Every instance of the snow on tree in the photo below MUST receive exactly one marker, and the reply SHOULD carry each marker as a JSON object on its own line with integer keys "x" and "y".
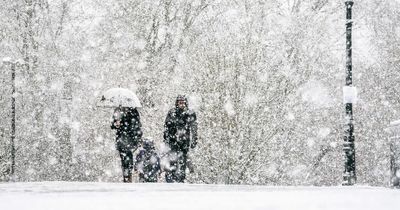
{"x": 265, "y": 79}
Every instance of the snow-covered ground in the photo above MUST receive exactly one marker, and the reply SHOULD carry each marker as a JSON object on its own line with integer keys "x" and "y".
{"x": 99, "y": 196}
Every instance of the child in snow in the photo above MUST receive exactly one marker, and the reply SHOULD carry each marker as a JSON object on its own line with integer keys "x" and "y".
{"x": 148, "y": 162}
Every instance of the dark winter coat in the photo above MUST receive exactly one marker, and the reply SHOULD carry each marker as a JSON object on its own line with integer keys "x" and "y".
{"x": 180, "y": 129}
{"x": 148, "y": 165}
{"x": 129, "y": 132}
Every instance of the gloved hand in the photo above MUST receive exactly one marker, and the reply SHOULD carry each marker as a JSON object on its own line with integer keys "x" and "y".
{"x": 193, "y": 144}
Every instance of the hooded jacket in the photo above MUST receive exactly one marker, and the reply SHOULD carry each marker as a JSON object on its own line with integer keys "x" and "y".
{"x": 129, "y": 132}
{"x": 180, "y": 127}
{"x": 148, "y": 162}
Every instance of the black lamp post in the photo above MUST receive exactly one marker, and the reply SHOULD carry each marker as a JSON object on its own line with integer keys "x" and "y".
{"x": 13, "y": 65}
{"x": 349, "y": 175}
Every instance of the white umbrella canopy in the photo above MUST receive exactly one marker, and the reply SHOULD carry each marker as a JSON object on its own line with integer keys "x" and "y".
{"x": 119, "y": 97}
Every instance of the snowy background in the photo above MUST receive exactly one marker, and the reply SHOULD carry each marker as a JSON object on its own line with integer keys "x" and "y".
{"x": 265, "y": 78}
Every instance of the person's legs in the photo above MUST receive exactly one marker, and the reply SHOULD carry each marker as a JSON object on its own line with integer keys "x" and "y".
{"x": 170, "y": 176}
{"x": 127, "y": 165}
{"x": 152, "y": 178}
{"x": 142, "y": 178}
{"x": 189, "y": 164}
{"x": 181, "y": 172}
{"x": 130, "y": 164}
{"x": 170, "y": 173}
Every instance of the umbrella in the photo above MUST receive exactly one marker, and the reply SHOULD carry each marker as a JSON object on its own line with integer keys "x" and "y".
{"x": 116, "y": 97}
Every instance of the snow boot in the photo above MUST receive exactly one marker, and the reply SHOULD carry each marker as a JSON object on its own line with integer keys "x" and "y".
{"x": 128, "y": 179}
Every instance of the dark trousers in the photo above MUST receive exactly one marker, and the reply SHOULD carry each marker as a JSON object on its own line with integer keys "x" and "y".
{"x": 143, "y": 178}
{"x": 177, "y": 169}
{"x": 127, "y": 164}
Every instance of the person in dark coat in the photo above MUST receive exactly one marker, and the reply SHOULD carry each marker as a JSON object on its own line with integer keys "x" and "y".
{"x": 148, "y": 162}
{"x": 126, "y": 122}
{"x": 180, "y": 135}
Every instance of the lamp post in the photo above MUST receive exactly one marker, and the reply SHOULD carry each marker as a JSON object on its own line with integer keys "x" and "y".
{"x": 12, "y": 65}
{"x": 349, "y": 175}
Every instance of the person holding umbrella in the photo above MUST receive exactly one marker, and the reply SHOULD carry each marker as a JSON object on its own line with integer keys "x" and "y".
{"x": 126, "y": 122}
